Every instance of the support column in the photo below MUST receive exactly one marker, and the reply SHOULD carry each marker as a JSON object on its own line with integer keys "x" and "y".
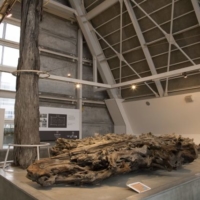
{"x": 80, "y": 76}
{"x": 95, "y": 79}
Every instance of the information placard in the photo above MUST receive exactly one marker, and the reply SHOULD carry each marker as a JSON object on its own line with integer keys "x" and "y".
{"x": 59, "y": 122}
{"x": 139, "y": 187}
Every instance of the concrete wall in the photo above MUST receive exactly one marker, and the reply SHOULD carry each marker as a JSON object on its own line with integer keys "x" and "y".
{"x": 61, "y": 36}
{"x": 96, "y": 120}
{"x": 166, "y": 115}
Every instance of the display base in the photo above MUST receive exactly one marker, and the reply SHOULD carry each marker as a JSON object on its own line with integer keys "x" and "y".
{"x": 182, "y": 184}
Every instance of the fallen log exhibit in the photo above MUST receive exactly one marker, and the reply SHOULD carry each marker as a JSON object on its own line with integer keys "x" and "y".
{"x": 93, "y": 159}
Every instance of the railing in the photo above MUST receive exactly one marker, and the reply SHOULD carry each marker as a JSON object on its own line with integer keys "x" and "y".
{"x": 37, "y": 146}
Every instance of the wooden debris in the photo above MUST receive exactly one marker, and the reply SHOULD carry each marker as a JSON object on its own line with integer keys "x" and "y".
{"x": 93, "y": 159}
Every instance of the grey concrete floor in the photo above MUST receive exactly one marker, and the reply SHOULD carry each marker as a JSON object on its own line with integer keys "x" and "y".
{"x": 113, "y": 188}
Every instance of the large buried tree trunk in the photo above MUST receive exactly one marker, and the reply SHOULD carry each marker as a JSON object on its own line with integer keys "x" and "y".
{"x": 93, "y": 159}
{"x": 27, "y": 100}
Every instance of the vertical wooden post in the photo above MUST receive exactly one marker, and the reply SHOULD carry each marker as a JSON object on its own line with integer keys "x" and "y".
{"x": 27, "y": 98}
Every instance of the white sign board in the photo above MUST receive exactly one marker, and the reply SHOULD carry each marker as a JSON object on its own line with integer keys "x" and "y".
{"x": 60, "y": 122}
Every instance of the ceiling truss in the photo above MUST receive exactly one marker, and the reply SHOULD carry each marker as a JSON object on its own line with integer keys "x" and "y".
{"x": 125, "y": 71}
{"x": 172, "y": 38}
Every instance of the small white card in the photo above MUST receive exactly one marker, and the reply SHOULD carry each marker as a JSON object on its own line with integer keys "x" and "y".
{"x": 139, "y": 187}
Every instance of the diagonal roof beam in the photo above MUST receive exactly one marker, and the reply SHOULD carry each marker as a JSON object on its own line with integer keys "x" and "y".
{"x": 170, "y": 46}
{"x": 94, "y": 47}
{"x": 123, "y": 125}
{"x": 144, "y": 47}
{"x": 100, "y": 8}
{"x": 196, "y": 9}
{"x": 5, "y": 8}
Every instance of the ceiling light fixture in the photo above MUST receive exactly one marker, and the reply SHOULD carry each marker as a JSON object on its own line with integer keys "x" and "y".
{"x": 78, "y": 85}
{"x": 8, "y": 12}
{"x": 9, "y": 15}
{"x": 68, "y": 75}
{"x": 184, "y": 75}
{"x": 133, "y": 87}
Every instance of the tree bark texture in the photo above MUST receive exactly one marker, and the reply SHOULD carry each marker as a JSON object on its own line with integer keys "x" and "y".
{"x": 93, "y": 159}
{"x": 27, "y": 99}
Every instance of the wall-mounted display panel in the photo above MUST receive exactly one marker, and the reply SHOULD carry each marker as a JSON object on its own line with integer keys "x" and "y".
{"x": 59, "y": 122}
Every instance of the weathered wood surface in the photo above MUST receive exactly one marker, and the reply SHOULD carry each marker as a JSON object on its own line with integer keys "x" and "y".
{"x": 93, "y": 159}
{"x": 27, "y": 99}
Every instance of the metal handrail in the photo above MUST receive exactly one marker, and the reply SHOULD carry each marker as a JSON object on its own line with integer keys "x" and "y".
{"x": 42, "y": 144}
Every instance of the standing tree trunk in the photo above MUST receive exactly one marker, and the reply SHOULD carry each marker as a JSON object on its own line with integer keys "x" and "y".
{"x": 27, "y": 99}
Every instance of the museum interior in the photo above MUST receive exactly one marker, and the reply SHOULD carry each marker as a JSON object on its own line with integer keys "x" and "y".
{"x": 113, "y": 87}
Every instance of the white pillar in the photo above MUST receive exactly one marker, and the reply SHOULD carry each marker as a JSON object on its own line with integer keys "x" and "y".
{"x": 2, "y": 115}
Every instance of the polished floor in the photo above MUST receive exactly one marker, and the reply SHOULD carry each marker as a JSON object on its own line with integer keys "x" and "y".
{"x": 114, "y": 188}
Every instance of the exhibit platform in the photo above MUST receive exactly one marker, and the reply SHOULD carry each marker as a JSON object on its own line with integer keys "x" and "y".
{"x": 181, "y": 184}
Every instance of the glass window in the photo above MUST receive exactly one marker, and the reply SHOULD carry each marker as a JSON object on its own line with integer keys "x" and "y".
{"x": 8, "y": 105}
{"x": 8, "y": 81}
{"x": 10, "y": 56}
{"x": 8, "y": 132}
{"x": 0, "y": 54}
{"x": 1, "y": 30}
{"x": 12, "y": 33}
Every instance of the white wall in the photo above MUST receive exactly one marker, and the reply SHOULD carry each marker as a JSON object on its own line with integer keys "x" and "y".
{"x": 119, "y": 117}
{"x": 166, "y": 115}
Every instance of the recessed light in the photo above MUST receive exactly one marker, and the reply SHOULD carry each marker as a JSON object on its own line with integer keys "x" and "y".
{"x": 184, "y": 74}
{"x": 9, "y": 15}
{"x": 78, "y": 85}
{"x": 133, "y": 87}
